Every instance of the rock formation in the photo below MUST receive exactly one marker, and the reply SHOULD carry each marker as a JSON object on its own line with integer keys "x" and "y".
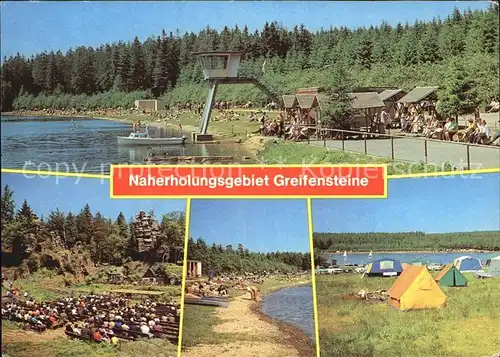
{"x": 146, "y": 231}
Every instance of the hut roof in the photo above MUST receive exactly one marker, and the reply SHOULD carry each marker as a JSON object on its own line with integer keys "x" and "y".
{"x": 366, "y": 100}
{"x": 389, "y": 93}
{"x": 290, "y": 101}
{"x": 417, "y": 94}
{"x": 149, "y": 273}
{"x": 306, "y": 101}
{"x": 312, "y": 90}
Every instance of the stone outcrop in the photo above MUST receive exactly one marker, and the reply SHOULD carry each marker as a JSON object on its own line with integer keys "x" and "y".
{"x": 146, "y": 231}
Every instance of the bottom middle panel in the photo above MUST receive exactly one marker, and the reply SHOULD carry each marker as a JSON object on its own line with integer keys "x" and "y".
{"x": 248, "y": 288}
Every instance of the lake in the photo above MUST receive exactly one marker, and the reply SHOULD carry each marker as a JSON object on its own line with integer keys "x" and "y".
{"x": 86, "y": 145}
{"x": 408, "y": 257}
{"x": 292, "y": 305}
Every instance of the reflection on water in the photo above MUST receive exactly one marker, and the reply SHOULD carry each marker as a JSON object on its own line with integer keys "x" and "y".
{"x": 87, "y": 145}
{"x": 292, "y": 305}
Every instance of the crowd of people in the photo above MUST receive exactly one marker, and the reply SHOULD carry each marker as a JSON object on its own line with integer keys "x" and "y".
{"x": 412, "y": 120}
{"x": 223, "y": 284}
{"x": 295, "y": 130}
{"x": 101, "y": 318}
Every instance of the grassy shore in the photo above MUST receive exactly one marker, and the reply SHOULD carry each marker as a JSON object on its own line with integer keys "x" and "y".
{"x": 466, "y": 327}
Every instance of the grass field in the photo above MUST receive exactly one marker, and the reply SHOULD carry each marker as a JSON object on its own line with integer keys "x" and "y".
{"x": 64, "y": 347}
{"x": 47, "y": 285}
{"x": 467, "y": 327}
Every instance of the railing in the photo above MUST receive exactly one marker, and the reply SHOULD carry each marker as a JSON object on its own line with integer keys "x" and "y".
{"x": 408, "y": 148}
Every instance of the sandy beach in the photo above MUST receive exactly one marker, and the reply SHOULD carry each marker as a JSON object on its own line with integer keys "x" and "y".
{"x": 263, "y": 335}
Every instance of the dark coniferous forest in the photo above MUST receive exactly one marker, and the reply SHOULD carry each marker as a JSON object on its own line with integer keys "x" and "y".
{"x": 407, "y": 241}
{"x": 237, "y": 259}
{"x": 406, "y": 55}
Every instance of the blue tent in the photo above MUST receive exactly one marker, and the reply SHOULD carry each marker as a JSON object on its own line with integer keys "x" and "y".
{"x": 384, "y": 267}
{"x": 466, "y": 263}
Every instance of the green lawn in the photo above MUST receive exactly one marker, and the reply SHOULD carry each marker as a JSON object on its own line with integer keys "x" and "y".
{"x": 467, "y": 327}
{"x": 198, "y": 324}
{"x": 64, "y": 347}
{"x": 45, "y": 284}
{"x": 286, "y": 152}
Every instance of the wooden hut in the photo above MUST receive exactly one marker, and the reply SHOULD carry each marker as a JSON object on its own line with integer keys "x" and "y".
{"x": 420, "y": 96}
{"x": 194, "y": 268}
{"x": 366, "y": 105}
{"x": 390, "y": 97}
{"x": 290, "y": 105}
{"x": 115, "y": 277}
{"x": 150, "y": 277}
{"x": 308, "y": 103}
{"x": 150, "y": 104}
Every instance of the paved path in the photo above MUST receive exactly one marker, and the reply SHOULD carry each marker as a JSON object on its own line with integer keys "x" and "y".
{"x": 438, "y": 152}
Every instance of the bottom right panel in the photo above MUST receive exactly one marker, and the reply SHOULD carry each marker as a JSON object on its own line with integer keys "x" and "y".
{"x": 416, "y": 274}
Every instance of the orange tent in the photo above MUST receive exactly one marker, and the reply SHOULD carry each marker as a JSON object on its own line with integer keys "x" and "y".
{"x": 415, "y": 288}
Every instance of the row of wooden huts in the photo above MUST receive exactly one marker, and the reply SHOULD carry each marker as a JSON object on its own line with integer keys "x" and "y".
{"x": 305, "y": 104}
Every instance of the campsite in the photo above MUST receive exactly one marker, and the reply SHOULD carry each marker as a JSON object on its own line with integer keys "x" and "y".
{"x": 354, "y": 326}
{"x": 248, "y": 292}
{"x": 87, "y": 283}
{"x": 399, "y": 282}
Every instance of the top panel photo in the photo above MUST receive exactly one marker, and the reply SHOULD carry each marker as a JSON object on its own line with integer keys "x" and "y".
{"x": 90, "y": 84}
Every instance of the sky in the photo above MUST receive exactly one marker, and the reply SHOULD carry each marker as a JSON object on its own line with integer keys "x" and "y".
{"x": 431, "y": 205}
{"x": 260, "y": 225}
{"x": 30, "y": 27}
{"x": 71, "y": 194}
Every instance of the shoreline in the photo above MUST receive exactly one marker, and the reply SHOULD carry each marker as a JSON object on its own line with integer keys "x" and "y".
{"x": 292, "y": 335}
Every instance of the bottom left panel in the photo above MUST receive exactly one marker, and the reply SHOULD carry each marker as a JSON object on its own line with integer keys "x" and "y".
{"x": 85, "y": 275}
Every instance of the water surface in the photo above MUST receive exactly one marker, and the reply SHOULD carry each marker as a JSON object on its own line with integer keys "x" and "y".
{"x": 292, "y": 305}
{"x": 86, "y": 145}
{"x": 408, "y": 257}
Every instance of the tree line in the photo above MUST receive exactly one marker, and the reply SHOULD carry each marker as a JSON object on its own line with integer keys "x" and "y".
{"x": 238, "y": 259}
{"x": 405, "y": 55}
{"x": 407, "y": 241}
{"x": 106, "y": 240}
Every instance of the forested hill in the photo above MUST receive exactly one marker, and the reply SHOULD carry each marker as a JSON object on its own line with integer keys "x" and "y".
{"x": 407, "y": 241}
{"x": 30, "y": 239}
{"x": 239, "y": 260}
{"x": 403, "y": 56}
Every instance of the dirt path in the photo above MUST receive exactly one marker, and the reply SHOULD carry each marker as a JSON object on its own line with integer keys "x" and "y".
{"x": 14, "y": 335}
{"x": 253, "y": 336}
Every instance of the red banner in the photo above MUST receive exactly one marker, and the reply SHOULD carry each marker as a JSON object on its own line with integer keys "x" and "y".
{"x": 249, "y": 181}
